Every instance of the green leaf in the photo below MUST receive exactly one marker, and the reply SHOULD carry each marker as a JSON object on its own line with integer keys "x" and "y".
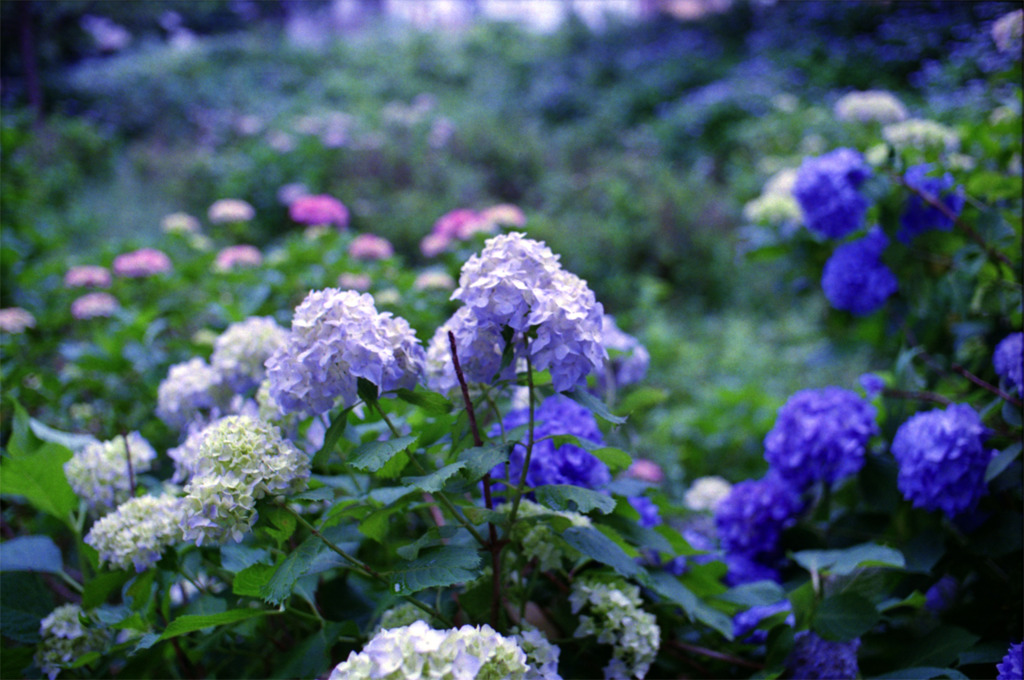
{"x": 431, "y": 402}
{"x": 480, "y": 460}
{"x": 574, "y": 498}
{"x": 757, "y": 594}
{"x": 190, "y": 623}
{"x": 1002, "y": 461}
{"x": 251, "y": 580}
{"x": 844, "y": 617}
{"x": 100, "y": 586}
{"x": 804, "y": 603}
{"x": 278, "y": 523}
{"x": 430, "y": 538}
{"x": 376, "y": 524}
{"x": 642, "y": 399}
{"x": 437, "y": 568}
{"x": 841, "y": 562}
{"x": 324, "y": 493}
{"x": 38, "y": 476}
{"x": 916, "y": 600}
{"x": 615, "y": 459}
{"x": 372, "y": 456}
{"x": 279, "y": 588}
{"x": 596, "y": 406}
{"x": 940, "y": 647}
{"x": 922, "y": 673}
{"x": 68, "y": 440}
{"x": 331, "y": 438}
{"x": 31, "y": 553}
{"x": 696, "y": 609}
{"x": 435, "y": 481}
{"x": 600, "y": 548}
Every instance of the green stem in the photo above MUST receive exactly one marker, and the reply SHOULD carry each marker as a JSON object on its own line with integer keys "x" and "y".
{"x": 75, "y": 585}
{"x": 529, "y": 440}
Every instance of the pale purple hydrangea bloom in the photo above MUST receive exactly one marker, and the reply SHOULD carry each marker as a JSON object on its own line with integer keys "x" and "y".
{"x": 234, "y": 257}
{"x": 230, "y": 210}
{"x": 138, "y": 531}
{"x": 1008, "y": 360}
{"x": 650, "y": 516}
{"x": 353, "y": 281}
{"x": 479, "y": 347}
{"x": 815, "y": 658}
{"x": 318, "y": 209}
{"x": 751, "y": 519}
{"x": 920, "y": 216}
{"x": 93, "y": 305}
{"x": 16, "y": 320}
{"x": 98, "y": 473}
{"x": 855, "y": 279}
{"x": 820, "y": 435}
{"x": 627, "y": 359}
{"x": 87, "y": 276}
{"x": 65, "y": 639}
{"x": 190, "y": 389}
{"x": 370, "y": 247}
{"x": 141, "y": 263}
{"x": 240, "y": 352}
{"x": 942, "y": 459}
{"x": 336, "y": 338}
{"x": 872, "y": 384}
{"x": 1012, "y": 665}
{"x": 827, "y": 190}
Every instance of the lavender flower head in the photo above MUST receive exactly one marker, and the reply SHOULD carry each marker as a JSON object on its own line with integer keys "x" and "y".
{"x": 820, "y": 435}
{"x": 855, "y": 279}
{"x": 827, "y": 190}
{"x": 872, "y": 384}
{"x": 87, "y": 276}
{"x": 230, "y": 210}
{"x": 65, "y": 639}
{"x": 98, "y": 472}
{"x": 942, "y": 459}
{"x": 141, "y": 263}
{"x": 234, "y": 257}
{"x": 627, "y": 359}
{"x": 93, "y": 305}
{"x": 751, "y": 519}
{"x": 337, "y": 337}
{"x": 920, "y": 216}
{"x": 650, "y": 516}
{"x": 1008, "y": 360}
{"x": 566, "y": 464}
{"x": 190, "y": 389}
{"x": 813, "y": 657}
{"x": 240, "y": 352}
{"x": 1012, "y": 665}
{"x": 138, "y": 531}
{"x": 16, "y": 320}
{"x": 370, "y": 247}
{"x": 318, "y": 210}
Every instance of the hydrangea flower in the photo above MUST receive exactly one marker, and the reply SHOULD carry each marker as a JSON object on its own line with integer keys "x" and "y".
{"x": 706, "y": 493}
{"x": 538, "y": 539}
{"x": 505, "y": 214}
{"x": 942, "y": 459}
{"x": 337, "y": 337}
{"x": 419, "y": 651}
{"x": 646, "y": 470}
{"x": 627, "y": 359}
{"x": 479, "y": 347}
{"x": 855, "y": 279}
{"x": 773, "y": 208}
{"x": 826, "y": 188}
{"x": 433, "y": 279}
{"x": 1008, "y": 360}
{"x": 228, "y": 210}
{"x": 318, "y": 210}
{"x": 818, "y": 659}
{"x": 745, "y": 623}
{"x": 433, "y": 245}
{"x": 15, "y": 320}
{"x": 820, "y": 435}
{"x": 920, "y": 216}
{"x": 239, "y": 353}
{"x": 566, "y": 464}
{"x": 1007, "y": 32}
{"x": 650, "y": 516}
{"x": 353, "y": 281}
{"x": 240, "y": 460}
{"x": 190, "y": 388}
{"x": 141, "y": 263}
{"x": 461, "y": 224}
{"x": 179, "y": 223}
{"x": 94, "y": 305}
{"x": 234, "y": 257}
{"x": 87, "y": 276}
{"x": 370, "y": 247}
{"x": 872, "y": 384}
{"x": 612, "y": 610}
{"x": 942, "y": 594}
{"x": 752, "y": 517}
{"x": 921, "y": 134}
{"x": 541, "y": 656}
{"x": 138, "y": 531}
{"x": 65, "y": 639}
{"x": 870, "y": 106}
{"x": 98, "y": 472}
{"x": 1012, "y": 665}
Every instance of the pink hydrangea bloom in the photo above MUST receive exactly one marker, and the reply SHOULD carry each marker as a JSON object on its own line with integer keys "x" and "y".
{"x": 461, "y": 224}
{"x": 504, "y": 213}
{"x": 370, "y": 247}
{"x": 139, "y": 263}
{"x": 646, "y": 470}
{"x": 434, "y": 279}
{"x": 92, "y": 305}
{"x": 433, "y": 245}
{"x": 351, "y": 281}
{"x": 231, "y": 210}
{"x": 16, "y": 320}
{"x": 237, "y": 256}
{"x": 319, "y": 209}
{"x": 87, "y": 276}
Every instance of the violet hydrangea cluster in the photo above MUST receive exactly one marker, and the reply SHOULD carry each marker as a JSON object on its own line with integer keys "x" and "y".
{"x": 1008, "y": 360}
{"x": 827, "y": 189}
{"x": 336, "y": 338}
{"x": 191, "y": 389}
{"x": 919, "y": 215}
{"x": 627, "y": 360}
{"x": 751, "y": 519}
{"x": 1012, "y": 665}
{"x": 815, "y": 658}
{"x": 855, "y": 279}
{"x": 240, "y": 352}
{"x": 820, "y": 435}
{"x": 942, "y": 459}
{"x": 98, "y": 473}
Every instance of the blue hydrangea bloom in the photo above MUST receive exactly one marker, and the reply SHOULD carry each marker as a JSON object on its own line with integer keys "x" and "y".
{"x": 566, "y": 464}
{"x": 743, "y": 569}
{"x": 827, "y": 190}
{"x": 745, "y": 623}
{"x": 942, "y": 459}
{"x": 1012, "y": 665}
{"x": 820, "y": 435}
{"x": 920, "y": 216}
{"x": 942, "y": 594}
{"x": 627, "y": 358}
{"x": 752, "y": 517}
{"x": 1008, "y": 360}
{"x": 872, "y": 384}
{"x": 649, "y": 514}
{"x": 855, "y": 279}
{"x": 818, "y": 659}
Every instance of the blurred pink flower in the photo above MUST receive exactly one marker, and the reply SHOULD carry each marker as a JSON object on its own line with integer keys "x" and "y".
{"x": 434, "y": 279}
{"x": 16, "y": 320}
{"x": 351, "y": 281}
{"x": 139, "y": 263}
{"x": 87, "y": 276}
{"x": 92, "y": 305}
{"x": 434, "y": 244}
{"x": 460, "y": 224}
{"x": 230, "y": 210}
{"x": 505, "y": 214}
{"x": 319, "y": 209}
{"x": 646, "y": 470}
{"x": 237, "y": 256}
{"x": 370, "y": 247}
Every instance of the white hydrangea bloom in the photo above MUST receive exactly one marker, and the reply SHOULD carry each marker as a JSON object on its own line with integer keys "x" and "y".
{"x": 612, "y": 611}
{"x": 138, "y": 531}
{"x": 706, "y": 492}
{"x": 65, "y": 639}
{"x": 870, "y": 106}
{"x": 538, "y": 540}
{"x": 240, "y": 352}
{"x": 541, "y": 655}
{"x": 190, "y": 388}
{"x": 773, "y": 208}
{"x": 98, "y": 472}
{"x": 921, "y": 134}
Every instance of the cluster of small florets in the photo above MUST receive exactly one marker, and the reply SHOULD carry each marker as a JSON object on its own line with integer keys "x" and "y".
{"x": 180, "y": 223}
{"x": 455, "y": 225}
{"x": 240, "y": 460}
{"x": 538, "y": 539}
{"x": 751, "y": 519}
{"x": 318, "y": 210}
{"x": 541, "y": 655}
{"x": 370, "y": 247}
{"x": 141, "y": 263}
{"x": 138, "y": 531}
{"x": 855, "y": 279}
{"x": 1008, "y": 360}
{"x": 627, "y": 359}
{"x": 336, "y": 338}
{"x": 942, "y": 459}
{"x": 1012, "y": 665}
{"x": 237, "y": 256}
{"x": 98, "y": 472}
{"x": 820, "y": 435}
{"x": 16, "y": 320}
{"x": 419, "y": 651}
{"x": 87, "y": 276}
{"x": 190, "y": 389}
{"x": 706, "y": 493}
{"x": 871, "y": 106}
{"x": 230, "y": 210}
{"x": 240, "y": 352}
{"x": 920, "y": 215}
{"x": 921, "y": 134}
{"x": 94, "y": 305}
{"x": 815, "y": 658}
{"x": 518, "y": 283}
{"x": 826, "y": 188}
{"x": 65, "y": 639}
{"x": 773, "y": 208}
{"x": 650, "y": 515}
{"x": 565, "y": 464}
{"x": 613, "y": 612}
{"x": 479, "y": 346}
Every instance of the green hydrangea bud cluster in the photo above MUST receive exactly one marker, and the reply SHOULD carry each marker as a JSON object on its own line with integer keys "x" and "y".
{"x": 240, "y": 460}
{"x": 611, "y": 610}
{"x": 65, "y": 639}
{"x": 539, "y": 540}
{"x": 138, "y": 531}
{"x": 541, "y": 655}
{"x": 98, "y": 473}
